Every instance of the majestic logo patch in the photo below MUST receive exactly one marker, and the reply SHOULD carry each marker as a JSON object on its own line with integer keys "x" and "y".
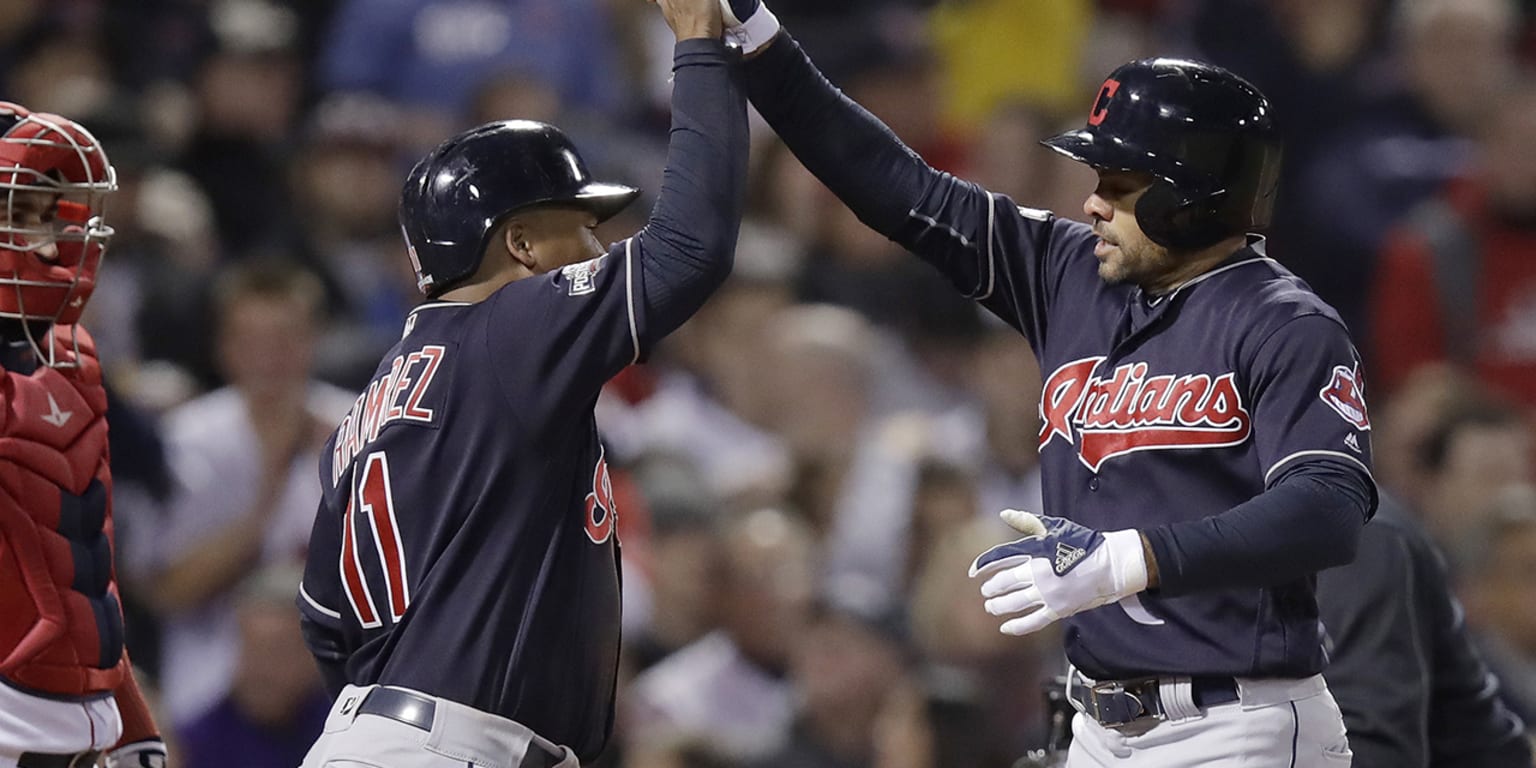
{"x": 1345, "y": 394}
{"x": 1130, "y": 412}
{"x": 1067, "y": 556}
{"x": 581, "y": 277}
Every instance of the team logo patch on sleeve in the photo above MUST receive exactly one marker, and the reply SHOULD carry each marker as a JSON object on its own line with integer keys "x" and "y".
{"x": 581, "y": 278}
{"x": 1345, "y": 394}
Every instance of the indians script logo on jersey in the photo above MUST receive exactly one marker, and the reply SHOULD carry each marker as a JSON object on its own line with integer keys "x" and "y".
{"x": 600, "y": 507}
{"x": 1130, "y": 412}
{"x": 1345, "y": 394}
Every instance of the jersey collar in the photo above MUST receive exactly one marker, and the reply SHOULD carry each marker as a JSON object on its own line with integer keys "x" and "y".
{"x": 1252, "y": 253}
{"x": 410, "y": 317}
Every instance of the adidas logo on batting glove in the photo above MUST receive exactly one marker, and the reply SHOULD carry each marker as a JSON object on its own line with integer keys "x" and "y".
{"x": 1057, "y": 569}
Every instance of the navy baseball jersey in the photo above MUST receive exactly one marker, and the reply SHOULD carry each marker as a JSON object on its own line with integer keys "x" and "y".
{"x": 465, "y": 545}
{"x": 1157, "y": 411}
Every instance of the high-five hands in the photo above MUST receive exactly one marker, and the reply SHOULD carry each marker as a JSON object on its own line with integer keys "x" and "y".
{"x": 1058, "y": 569}
{"x": 749, "y": 24}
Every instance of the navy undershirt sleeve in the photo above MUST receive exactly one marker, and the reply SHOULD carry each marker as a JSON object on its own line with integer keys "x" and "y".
{"x": 1307, "y": 521}
{"x": 838, "y": 141}
{"x": 687, "y": 248}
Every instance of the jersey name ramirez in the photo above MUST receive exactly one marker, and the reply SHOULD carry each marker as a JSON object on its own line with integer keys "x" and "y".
{"x": 395, "y": 396}
{"x": 1128, "y": 411}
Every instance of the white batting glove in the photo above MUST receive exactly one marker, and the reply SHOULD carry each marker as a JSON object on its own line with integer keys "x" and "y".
{"x": 149, "y": 753}
{"x": 749, "y": 24}
{"x": 1059, "y": 568}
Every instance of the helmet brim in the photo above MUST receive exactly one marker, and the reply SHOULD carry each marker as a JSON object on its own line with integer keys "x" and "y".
{"x": 1090, "y": 148}
{"x": 606, "y": 200}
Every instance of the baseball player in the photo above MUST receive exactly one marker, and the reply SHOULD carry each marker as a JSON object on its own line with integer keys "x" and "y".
{"x": 1205, "y": 442}
{"x": 462, "y": 587}
{"x": 67, "y": 691}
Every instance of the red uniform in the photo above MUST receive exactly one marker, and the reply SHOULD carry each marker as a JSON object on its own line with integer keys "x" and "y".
{"x": 63, "y": 632}
{"x": 66, "y": 687}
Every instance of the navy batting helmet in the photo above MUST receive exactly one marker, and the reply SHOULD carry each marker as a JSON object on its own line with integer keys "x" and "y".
{"x": 1207, "y": 135}
{"x": 457, "y": 195}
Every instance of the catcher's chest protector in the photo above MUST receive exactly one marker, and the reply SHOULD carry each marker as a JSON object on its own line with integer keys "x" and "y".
{"x": 62, "y": 626}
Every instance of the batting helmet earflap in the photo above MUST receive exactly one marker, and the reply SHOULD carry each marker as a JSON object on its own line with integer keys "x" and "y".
{"x": 1205, "y": 134}
{"x": 456, "y": 196}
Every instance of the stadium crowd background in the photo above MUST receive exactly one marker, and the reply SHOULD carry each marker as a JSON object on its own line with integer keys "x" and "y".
{"x": 807, "y": 468}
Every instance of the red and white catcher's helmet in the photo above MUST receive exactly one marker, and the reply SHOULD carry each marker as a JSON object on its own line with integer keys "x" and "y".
{"x": 54, "y": 158}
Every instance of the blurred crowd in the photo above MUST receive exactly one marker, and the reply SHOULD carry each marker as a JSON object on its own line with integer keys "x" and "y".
{"x": 806, "y": 469}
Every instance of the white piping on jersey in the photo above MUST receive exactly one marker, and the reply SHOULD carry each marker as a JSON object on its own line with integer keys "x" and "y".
{"x": 316, "y": 604}
{"x": 437, "y": 304}
{"x": 991, "y": 244}
{"x": 1299, "y": 454}
{"x": 629, "y": 294}
{"x": 934, "y": 224}
{"x": 965, "y": 242}
{"x": 1215, "y": 272}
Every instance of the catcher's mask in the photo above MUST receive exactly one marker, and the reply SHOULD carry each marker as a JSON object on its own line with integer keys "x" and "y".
{"x": 54, "y": 179}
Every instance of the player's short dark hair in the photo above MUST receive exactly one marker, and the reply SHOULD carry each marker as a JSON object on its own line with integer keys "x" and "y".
{"x": 269, "y": 280}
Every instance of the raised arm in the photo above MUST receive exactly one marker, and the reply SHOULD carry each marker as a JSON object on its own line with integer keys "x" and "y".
{"x": 687, "y": 248}
{"x": 991, "y": 250}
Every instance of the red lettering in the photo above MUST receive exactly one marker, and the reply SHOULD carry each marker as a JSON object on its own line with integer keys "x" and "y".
{"x": 1149, "y": 404}
{"x": 339, "y": 455}
{"x": 600, "y": 509}
{"x": 1186, "y": 397}
{"x": 413, "y": 410}
{"x": 1223, "y": 406}
{"x": 397, "y": 381}
{"x": 352, "y": 572}
{"x": 378, "y": 503}
{"x": 1130, "y": 412}
{"x": 1060, "y": 397}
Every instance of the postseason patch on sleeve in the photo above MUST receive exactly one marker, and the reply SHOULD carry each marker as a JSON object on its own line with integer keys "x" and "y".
{"x": 1345, "y": 394}
{"x": 581, "y": 279}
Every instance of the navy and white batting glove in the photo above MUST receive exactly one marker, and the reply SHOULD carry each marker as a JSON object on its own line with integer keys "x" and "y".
{"x": 149, "y": 753}
{"x": 749, "y": 24}
{"x": 1059, "y": 568}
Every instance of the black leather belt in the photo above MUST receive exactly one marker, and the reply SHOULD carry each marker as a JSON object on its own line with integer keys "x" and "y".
{"x": 417, "y": 710}
{"x": 1121, "y": 702}
{"x": 85, "y": 759}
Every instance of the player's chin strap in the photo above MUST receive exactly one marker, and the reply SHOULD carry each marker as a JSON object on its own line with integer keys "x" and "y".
{"x": 149, "y": 753}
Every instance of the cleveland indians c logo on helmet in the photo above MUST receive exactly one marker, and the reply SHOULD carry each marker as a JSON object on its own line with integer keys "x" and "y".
{"x": 1101, "y": 104}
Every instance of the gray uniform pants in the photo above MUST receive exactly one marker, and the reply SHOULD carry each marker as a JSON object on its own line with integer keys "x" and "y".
{"x": 442, "y": 734}
{"x": 1274, "y": 724}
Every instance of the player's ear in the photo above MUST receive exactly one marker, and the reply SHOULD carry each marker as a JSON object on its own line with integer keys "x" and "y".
{"x": 515, "y": 236}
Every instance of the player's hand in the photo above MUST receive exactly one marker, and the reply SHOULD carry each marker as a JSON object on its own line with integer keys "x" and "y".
{"x": 749, "y": 24}
{"x": 149, "y": 753}
{"x": 691, "y": 19}
{"x": 1059, "y": 568}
